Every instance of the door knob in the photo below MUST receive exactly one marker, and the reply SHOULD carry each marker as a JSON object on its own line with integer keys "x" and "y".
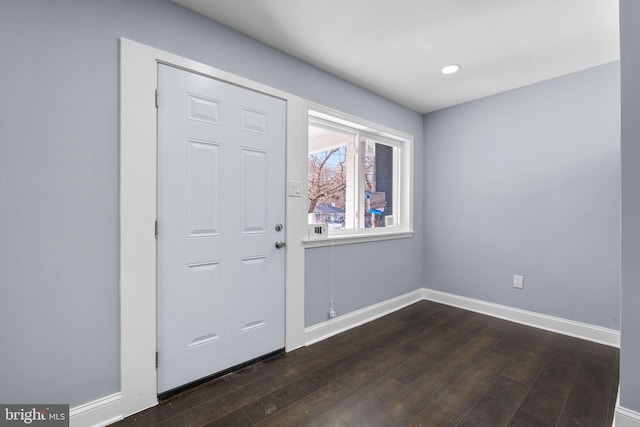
{"x": 280, "y": 244}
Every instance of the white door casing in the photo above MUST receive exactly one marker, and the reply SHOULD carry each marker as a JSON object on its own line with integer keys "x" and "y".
{"x": 138, "y": 203}
{"x": 220, "y": 211}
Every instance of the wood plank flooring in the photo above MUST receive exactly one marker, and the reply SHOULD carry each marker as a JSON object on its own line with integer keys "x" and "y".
{"x": 425, "y": 365}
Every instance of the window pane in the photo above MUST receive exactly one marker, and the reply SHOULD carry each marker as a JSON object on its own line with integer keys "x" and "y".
{"x": 377, "y": 187}
{"x": 330, "y": 184}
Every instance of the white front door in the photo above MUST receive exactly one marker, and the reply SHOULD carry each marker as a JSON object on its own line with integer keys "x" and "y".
{"x": 221, "y": 197}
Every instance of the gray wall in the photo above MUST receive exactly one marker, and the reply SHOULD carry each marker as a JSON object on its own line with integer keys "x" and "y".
{"x": 630, "y": 346}
{"x": 362, "y": 274}
{"x": 527, "y": 182}
{"x": 59, "y": 302}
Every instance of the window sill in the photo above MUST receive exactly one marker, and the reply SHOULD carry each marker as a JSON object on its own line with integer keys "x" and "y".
{"x": 348, "y": 239}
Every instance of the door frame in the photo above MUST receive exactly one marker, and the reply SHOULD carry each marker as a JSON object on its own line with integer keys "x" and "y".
{"x": 138, "y": 203}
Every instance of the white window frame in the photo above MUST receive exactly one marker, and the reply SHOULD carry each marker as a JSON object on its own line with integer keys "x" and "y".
{"x": 403, "y": 178}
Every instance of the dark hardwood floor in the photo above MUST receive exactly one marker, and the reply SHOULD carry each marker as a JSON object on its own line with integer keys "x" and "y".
{"x": 425, "y": 365}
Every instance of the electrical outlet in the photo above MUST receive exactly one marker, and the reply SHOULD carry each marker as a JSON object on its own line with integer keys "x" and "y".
{"x": 518, "y": 281}
{"x": 332, "y": 313}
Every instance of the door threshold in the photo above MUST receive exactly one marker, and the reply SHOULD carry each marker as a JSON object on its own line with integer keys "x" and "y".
{"x": 189, "y": 386}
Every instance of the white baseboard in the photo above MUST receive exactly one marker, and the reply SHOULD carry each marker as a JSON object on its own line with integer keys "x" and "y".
{"x": 572, "y": 328}
{"x": 580, "y": 330}
{"x": 340, "y": 324}
{"x": 101, "y": 412}
{"x": 626, "y": 418}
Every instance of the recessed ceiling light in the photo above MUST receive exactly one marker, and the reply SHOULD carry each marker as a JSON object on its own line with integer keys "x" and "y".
{"x": 450, "y": 69}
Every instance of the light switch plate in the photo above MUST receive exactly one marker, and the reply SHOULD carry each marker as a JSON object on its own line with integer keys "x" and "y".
{"x": 294, "y": 189}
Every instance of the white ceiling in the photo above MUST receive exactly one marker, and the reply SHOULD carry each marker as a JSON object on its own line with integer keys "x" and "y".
{"x": 397, "y": 48}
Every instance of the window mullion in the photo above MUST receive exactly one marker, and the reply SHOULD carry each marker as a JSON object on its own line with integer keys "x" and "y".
{"x": 350, "y": 196}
